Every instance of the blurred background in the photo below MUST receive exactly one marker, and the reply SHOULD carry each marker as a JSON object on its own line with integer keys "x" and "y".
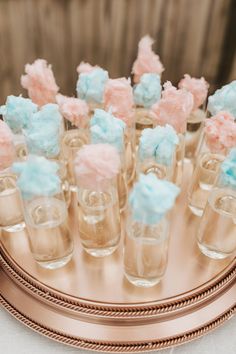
{"x": 191, "y": 36}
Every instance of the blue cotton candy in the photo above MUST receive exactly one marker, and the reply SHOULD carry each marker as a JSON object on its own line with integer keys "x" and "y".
{"x": 159, "y": 144}
{"x": 17, "y": 112}
{"x": 223, "y": 99}
{"x": 151, "y": 199}
{"x": 148, "y": 91}
{"x": 90, "y": 86}
{"x": 106, "y": 129}
{"x": 228, "y": 169}
{"x": 43, "y": 134}
{"x": 37, "y": 177}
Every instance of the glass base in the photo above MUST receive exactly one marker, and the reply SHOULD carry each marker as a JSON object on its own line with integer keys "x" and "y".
{"x": 195, "y": 210}
{"x": 14, "y": 228}
{"x": 142, "y": 282}
{"x": 102, "y": 252}
{"x": 55, "y": 264}
{"x": 212, "y": 253}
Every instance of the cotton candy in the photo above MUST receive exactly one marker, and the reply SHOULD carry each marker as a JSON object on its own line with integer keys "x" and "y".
{"x": 118, "y": 98}
{"x": 148, "y": 91}
{"x": 151, "y": 199}
{"x": 7, "y": 149}
{"x": 96, "y": 165}
{"x": 220, "y": 132}
{"x": 85, "y": 68}
{"x": 40, "y": 82}
{"x": 74, "y": 110}
{"x": 37, "y": 177}
{"x": 228, "y": 169}
{"x": 90, "y": 85}
{"x": 147, "y": 61}
{"x": 17, "y": 112}
{"x": 173, "y": 108}
{"x": 105, "y": 128}
{"x": 197, "y": 87}
{"x": 43, "y": 135}
{"x": 158, "y": 143}
{"x": 223, "y": 99}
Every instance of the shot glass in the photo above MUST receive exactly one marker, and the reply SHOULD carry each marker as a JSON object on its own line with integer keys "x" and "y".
{"x": 51, "y": 242}
{"x": 204, "y": 176}
{"x": 99, "y": 219}
{"x": 72, "y": 142}
{"x": 216, "y": 235}
{"x": 193, "y": 133}
{"x": 146, "y": 252}
{"x": 179, "y": 161}
{"x": 143, "y": 120}
{"x": 11, "y": 207}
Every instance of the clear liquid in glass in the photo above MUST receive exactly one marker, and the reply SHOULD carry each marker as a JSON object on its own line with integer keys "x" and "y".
{"x": 179, "y": 161}
{"x": 72, "y": 142}
{"x": 146, "y": 253}
{"x": 203, "y": 178}
{"x": 49, "y": 235}
{"x": 217, "y": 232}
{"x": 143, "y": 121}
{"x": 99, "y": 221}
{"x": 193, "y": 133}
{"x": 11, "y": 207}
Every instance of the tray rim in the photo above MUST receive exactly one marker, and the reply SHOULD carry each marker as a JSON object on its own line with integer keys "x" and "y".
{"x": 113, "y": 347}
{"x": 167, "y": 307}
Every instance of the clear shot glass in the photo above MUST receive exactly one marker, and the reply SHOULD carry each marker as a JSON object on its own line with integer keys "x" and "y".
{"x": 51, "y": 242}
{"x": 146, "y": 252}
{"x": 203, "y": 178}
{"x": 216, "y": 235}
{"x": 72, "y": 142}
{"x": 99, "y": 219}
{"x": 11, "y": 207}
{"x": 143, "y": 120}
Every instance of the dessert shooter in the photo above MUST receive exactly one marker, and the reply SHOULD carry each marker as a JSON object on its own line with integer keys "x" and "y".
{"x": 118, "y": 100}
{"x": 45, "y": 212}
{"x": 157, "y": 152}
{"x": 90, "y": 85}
{"x": 11, "y": 208}
{"x": 17, "y": 113}
{"x": 174, "y": 108}
{"x": 106, "y": 129}
{"x": 147, "y": 230}
{"x": 146, "y": 93}
{"x": 216, "y": 235}
{"x": 76, "y": 115}
{"x": 97, "y": 167}
{"x": 219, "y": 138}
{"x": 199, "y": 90}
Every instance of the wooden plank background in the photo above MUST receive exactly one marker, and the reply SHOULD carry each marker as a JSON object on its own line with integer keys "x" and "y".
{"x": 193, "y": 36}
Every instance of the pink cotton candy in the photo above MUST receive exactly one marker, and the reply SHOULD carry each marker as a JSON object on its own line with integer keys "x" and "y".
{"x": 85, "y": 68}
{"x": 118, "y": 98}
{"x": 74, "y": 110}
{"x": 173, "y": 108}
{"x": 7, "y": 149}
{"x": 96, "y": 165}
{"x": 40, "y": 82}
{"x": 220, "y": 132}
{"x": 197, "y": 87}
{"x": 147, "y": 61}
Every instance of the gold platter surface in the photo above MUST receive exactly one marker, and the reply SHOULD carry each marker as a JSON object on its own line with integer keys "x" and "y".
{"x": 89, "y": 303}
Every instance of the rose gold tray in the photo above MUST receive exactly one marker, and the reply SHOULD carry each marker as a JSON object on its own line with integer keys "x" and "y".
{"x": 90, "y": 305}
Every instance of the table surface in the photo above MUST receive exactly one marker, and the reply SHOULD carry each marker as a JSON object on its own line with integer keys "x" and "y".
{"x": 17, "y": 338}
